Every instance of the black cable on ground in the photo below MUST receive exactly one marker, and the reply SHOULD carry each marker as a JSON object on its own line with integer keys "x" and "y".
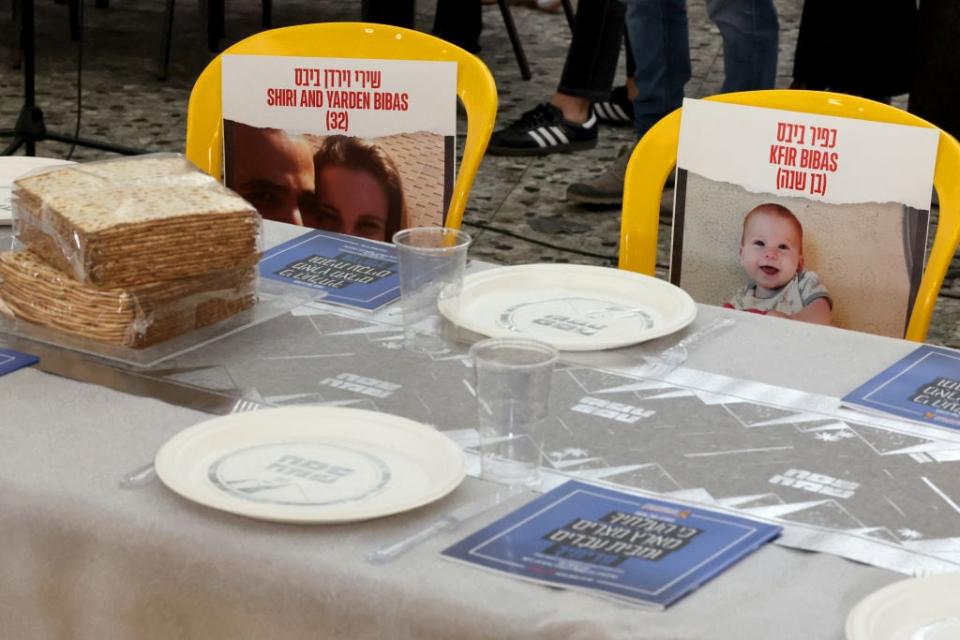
{"x": 76, "y": 128}
{"x": 506, "y": 232}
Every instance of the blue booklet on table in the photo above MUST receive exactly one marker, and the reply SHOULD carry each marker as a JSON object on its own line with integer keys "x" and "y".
{"x": 613, "y": 543}
{"x": 351, "y": 271}
{"x": 923, "y": 387}
{"x": 11, "y": 360}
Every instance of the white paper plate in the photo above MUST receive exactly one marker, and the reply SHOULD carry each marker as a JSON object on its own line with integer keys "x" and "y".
{"x": 572, "y": 307}
{"x": 916, "y": 609}
{"x": 11, "y": 168}
{"x": 311, "y": 464}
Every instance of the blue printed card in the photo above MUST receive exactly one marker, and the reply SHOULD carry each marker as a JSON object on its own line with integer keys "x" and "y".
{"x": 923, "y": 387}
{"x": 613, "y": 543}
{"x": 12, "y": 360}
{"x": 351, "y": 271}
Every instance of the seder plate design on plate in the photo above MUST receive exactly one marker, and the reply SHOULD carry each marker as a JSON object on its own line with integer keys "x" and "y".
{"x": 916, "y": 609}
{"x": 572, "y": 307}
{"x": 311, "y": 464}
{"x": 300, "y": 473}
{"x": 577, "y": 316}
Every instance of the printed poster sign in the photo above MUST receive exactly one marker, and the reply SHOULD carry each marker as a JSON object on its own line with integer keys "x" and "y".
{"x": 356, "y": 146}
{"x": 614, "y": 543}
{"x": 352, "y": 272}
{"x": 923, "y": 387}
{"x": 797, "y": 215}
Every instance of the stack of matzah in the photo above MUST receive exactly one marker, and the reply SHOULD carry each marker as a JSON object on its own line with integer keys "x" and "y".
{"x": 130, "y": 251}
{"x": 135, "y": 220}
{"x": 136, "y": 316}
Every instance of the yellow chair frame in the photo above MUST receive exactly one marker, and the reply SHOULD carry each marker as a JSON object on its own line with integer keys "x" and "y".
{"x": 656, "y": 154}
{"x": 475, "y": 87}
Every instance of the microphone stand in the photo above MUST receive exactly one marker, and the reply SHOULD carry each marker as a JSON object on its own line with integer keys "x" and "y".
{"x": 30, "y": 128}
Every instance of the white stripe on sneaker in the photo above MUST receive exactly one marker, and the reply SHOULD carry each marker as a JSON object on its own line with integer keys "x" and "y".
{"x": 557, "y": 131}
{"x": 590, "y": 122}
{"x": 620, "y": 112}
{"x": 536, "y": 137}
{"x": 600, "y": 110}
{"x": 543, "y": 131}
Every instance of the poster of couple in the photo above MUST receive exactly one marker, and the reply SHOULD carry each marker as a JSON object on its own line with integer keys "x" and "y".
{"x": 355, "y": 146}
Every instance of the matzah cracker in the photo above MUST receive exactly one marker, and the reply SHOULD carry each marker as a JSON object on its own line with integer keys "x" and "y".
{"x": 130, "y": 221}
{"x": 32, "y": 290}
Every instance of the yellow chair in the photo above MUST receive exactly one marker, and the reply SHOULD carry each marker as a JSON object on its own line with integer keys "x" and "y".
{"x": 656, "y": 154}
{"x": 475, "y": 87}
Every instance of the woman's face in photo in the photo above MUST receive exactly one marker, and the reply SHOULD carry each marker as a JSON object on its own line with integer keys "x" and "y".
{"x": 347, "y": 201}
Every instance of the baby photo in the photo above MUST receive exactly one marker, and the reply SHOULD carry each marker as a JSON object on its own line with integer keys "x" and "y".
{"x": 771, "y": 254}
{"x": 854, "y": 266}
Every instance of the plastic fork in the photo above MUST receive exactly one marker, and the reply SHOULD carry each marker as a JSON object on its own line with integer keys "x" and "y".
{"x": 144, "y": 474}
{"x": 669, "y": 359}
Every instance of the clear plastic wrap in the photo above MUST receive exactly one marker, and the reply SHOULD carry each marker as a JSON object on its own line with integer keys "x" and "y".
{"x": 131, "y": 221}
{"x": 137, "y": 316}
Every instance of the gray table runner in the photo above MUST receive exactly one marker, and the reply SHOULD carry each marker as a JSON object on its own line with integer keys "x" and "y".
{"x": 874, "y": 490}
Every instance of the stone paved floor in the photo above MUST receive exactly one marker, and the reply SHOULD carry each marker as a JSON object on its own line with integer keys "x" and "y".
{"x": 523, "y": 199}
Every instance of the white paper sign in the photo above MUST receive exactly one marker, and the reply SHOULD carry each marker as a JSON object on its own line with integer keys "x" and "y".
{"x": 787, "y": 153}
{"x": 354, "y": 97}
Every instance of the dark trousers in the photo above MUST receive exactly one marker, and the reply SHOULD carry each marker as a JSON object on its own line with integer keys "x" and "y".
{"x": 591, "y": 62}
{"x": 862, "y": 47}
{"x": 935, "y": 95}
{"x": 456, "y": 21}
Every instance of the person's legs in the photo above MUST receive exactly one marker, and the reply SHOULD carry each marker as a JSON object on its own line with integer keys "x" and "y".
{"x": 617, "y": 108}
{"x": 399, "y": 13}
{"x": 750, "y": 32}
{"x": 566, "y": 123}
{"x": 591, "y": 61}
{"x": 658, "y": 34}
{"x": 459, "y": 22}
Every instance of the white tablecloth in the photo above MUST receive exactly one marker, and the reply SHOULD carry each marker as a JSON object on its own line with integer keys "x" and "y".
{"x": 81, "y": 558}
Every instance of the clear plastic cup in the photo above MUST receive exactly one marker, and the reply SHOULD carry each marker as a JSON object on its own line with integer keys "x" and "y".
{"x": 512, "y": 382}
{"x": 431, "y": 261}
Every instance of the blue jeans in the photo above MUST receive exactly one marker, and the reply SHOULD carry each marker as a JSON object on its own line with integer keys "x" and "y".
{"x": 658, "y": 35}
{"x": 657, "y": 30}
{"x": 751, "y": 34}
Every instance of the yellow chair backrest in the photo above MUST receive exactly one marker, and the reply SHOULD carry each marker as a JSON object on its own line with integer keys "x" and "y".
{"x": 475, "y": 87}
{"x": 656, "y": 154}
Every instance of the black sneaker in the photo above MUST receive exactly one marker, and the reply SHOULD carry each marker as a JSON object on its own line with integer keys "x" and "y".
{"x": 616, "y": 110}
{"x": 542, "y": 131}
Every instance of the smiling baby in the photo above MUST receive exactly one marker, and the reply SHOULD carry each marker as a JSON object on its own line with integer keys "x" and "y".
{"x": 771, "y": 254}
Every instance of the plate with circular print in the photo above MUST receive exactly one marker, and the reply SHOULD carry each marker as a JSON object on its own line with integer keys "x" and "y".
{"x": 572, "y": 307}
{"x": 925, "y": 608}
{"x": 311, "y": 464}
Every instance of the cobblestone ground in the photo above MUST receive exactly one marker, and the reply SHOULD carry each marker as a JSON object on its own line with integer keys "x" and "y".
{"x": 520, "y": 201}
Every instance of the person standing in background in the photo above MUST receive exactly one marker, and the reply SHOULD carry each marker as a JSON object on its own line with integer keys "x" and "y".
{"x": 658, "y": 33}
{"x": 935, "y": 91}
{"x": 860, "y": 47}
{"x": 456, "y": 21}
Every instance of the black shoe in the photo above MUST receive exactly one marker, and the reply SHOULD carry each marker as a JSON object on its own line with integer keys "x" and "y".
{"x": 616, "y": 110}
{"x": 542, "y": 131}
